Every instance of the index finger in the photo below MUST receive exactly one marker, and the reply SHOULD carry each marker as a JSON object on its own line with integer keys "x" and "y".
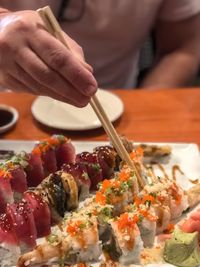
{"x": 59, "y": 58}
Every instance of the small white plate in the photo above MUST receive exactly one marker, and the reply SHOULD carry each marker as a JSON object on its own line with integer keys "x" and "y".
{"x": 60, "y": 115}
{"x": 8, "y": 117}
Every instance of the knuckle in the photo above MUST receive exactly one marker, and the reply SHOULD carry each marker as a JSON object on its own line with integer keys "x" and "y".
{"x": 21, "y": 25}
{"x": 45, "y": 76}
{"x": 76, "y": 76}
{"x": 4, "y": 44}
{"x": 58, "y": 60}
{"x": 80, "y": 50}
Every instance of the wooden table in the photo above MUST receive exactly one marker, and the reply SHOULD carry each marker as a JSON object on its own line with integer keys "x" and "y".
{"x": 160, "y": 115}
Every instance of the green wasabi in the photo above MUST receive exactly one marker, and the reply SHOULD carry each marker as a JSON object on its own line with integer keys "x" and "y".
{"x": 182, "y": 249}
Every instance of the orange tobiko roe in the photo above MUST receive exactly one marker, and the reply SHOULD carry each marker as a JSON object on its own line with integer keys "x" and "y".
{"x": 73, "y": 228}
{"x": 105, "y": 185}
{"x": 148, "y": 198}
{"x": 124, "y": 175}
{"x": 137, "y": 155}
{"x": 81, "y": 265}
{"x": 148, "y": 215}
{"x": 108, "y": 184}
{"x": 5, "y": 174}
{"x": 125, "y": 221}
{"x": 36, "y": 151}
{"x": 53, "y": 141}
{"x": 100, "y": 198}
{"x": 45, "y": 145}
{"x": 138, "y": 201}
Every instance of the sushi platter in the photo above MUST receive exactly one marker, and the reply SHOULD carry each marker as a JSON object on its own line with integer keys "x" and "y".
{"x": 65, "y": 203}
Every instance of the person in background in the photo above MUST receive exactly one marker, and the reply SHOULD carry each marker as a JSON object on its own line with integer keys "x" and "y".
{"x": 110, "y": 32}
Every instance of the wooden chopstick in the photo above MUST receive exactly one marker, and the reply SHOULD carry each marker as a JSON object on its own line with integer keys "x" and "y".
{"x": 111, "y": 132}
{"x": 53, "y": 28}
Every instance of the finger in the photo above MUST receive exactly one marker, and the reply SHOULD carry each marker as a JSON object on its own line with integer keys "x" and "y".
{"x": 13, "y": 84}
{"x": 57, "y": 57}
{"x": 77, "y": 51}
{"x": 33, "y": 86}
{"x": 83, "y": 63}
{"x": 39, "y": 71}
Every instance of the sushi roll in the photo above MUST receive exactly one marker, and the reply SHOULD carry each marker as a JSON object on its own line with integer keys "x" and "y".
{"x": 23, "y": 221}
{"x": 169, "y": 196}
{"x": 71, "y": 189}
{"x": 161, "y": 204}
{"x": 65, "y": 150}
{"x": 164, "y": 217}
{"x": 28, "y": 169}
{"x": 45, "y": 149}
{"x": 54, "y": 190}
{"x": 104, "y": 215}
{"x": 147, "y": 222}
{"x": 94, "y": 170}
{"x": 18, "y": 182}
{"x": 83, "y": 237}
{"x": 59, "y": 190}
{"x": 126, "y": 243}
{"x": 49, "y": 162}
{"x": 9, "y": 243}
{"x": 118, "y": 191}
{"x": 77, "y": 242}
{"x": 41, "y": 213}
{"x": 34, "y": 169}
{"x": 79, "y": 173}
{"x": 54, "y": 152}
{"x": 15, "y": 166}
{"x": 106, "y": 157}
{"x": 6, "y": 193}
{"x": 148, "y": 231}
{"x": 178, "y": 201}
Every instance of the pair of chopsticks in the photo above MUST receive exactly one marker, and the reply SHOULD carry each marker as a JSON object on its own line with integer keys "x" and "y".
{"x": 54, "y": 28}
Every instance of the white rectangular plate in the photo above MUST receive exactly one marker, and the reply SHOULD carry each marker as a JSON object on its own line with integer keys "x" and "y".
{"x": 185, "y": 155}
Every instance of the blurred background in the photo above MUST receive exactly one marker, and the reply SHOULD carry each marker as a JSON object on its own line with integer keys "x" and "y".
{"x": 146, "y": 59}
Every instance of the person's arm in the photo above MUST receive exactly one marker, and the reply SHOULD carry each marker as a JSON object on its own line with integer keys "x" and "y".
{"x": 178, "y": 57}
{"x": 31, "y": 60}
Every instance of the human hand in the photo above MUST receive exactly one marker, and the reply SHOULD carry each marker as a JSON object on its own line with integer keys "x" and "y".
{"x": 31, "y": 60}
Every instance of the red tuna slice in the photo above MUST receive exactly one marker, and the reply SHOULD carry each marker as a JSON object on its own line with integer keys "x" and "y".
{"x": 79, "y": 172}
{"x": 46, "y": 150}
{"x": 34, "y": 170}
{"x": 49, "y": 161}
{"x": 106, "y": 158}
{"x": 94, "y": 169}
{"x": 41, "y": 213}
{"x": 65, "y": 153}
{"x": 23, "y": 221}
{"x": 6, "y": 193}
{"x": 7, "y": 231}
{"x": 16, "y": 166}
{"x": 18, "y": 181}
